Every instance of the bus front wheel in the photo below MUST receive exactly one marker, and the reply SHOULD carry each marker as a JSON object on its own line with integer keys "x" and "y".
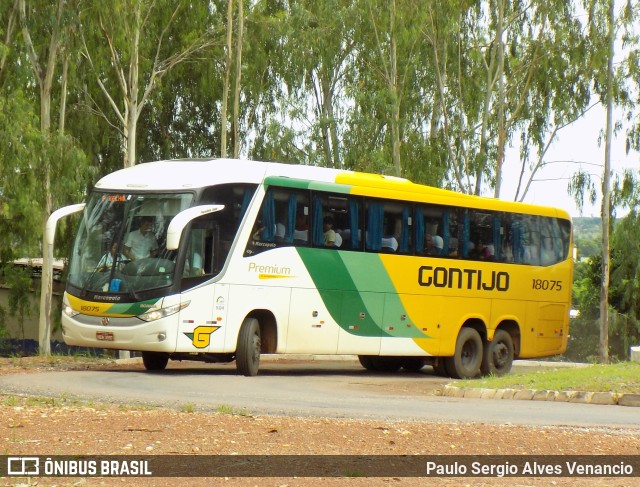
{"x": 498, "y": 356}
{"x": 154, "y": 360}
{"x": 248, "y": 349}
{"x": 466, "y": 362}
{"x": 380, "y": 364}
{"x": 367, "y": 362}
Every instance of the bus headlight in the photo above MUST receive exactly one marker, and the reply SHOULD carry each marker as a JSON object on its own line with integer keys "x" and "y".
{"x": 156, "y": 314}
{"x": 69, "y": 311}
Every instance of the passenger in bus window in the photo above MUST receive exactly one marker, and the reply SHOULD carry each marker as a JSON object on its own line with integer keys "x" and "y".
{"x": 281, "y": 231}
{"x": 433, "y": 244}
{"x": 281, "y": 226}
{"x": 329, "y": 232}
{"x": 480, "y": 251}
{"x": 193, "y": 265}
{"x": 141, "y": 243}
{"x": 301, "y": 231}
{"x": 389, "y": 243}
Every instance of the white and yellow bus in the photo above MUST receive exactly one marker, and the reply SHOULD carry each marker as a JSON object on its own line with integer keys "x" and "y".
{"x": 246, "y": 258}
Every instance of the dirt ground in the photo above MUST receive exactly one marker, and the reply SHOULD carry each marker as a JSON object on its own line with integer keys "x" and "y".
{"x": 64, "y": 426}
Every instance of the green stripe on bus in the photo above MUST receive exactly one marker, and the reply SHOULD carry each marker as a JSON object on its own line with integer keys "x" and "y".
{"x": 133, "y": 309}
{"x": 306, "y": 184}
{"x": 365, "y": 291}
{"x": 369, "y": 273}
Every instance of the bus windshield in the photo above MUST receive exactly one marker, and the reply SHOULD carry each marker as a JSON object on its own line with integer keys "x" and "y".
{"x": 119, "y": 247}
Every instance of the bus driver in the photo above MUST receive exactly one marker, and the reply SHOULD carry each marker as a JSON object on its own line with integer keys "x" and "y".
{"x": 141, "y": 243}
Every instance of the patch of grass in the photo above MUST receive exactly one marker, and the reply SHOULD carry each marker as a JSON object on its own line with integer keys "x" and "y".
{"x": 226, "y": 409}
{"x": 188, "y": 408}
{"x": 42, "y": 401}
{"x": 623, "y": 377}
{"x": 10, "y": 401}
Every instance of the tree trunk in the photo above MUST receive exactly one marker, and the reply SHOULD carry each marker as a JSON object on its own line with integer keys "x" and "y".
{"x": 393, "y": 85}
{"x": 44, "y": 75}
{"x": 606, "y": 198}
{"x": 63, "y": 95}
{"x": 501, "y": 100}
{"x": 227, "y": 82}
{"x": 236, "y": 99}
{"x": 323, "y": 103}
{"x": 131, "y": 98}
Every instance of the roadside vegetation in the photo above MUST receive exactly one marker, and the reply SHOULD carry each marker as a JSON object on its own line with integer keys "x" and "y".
{"x": 623, "y": 377}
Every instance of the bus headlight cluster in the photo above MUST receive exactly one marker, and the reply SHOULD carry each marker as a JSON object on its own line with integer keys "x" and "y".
{"x": 156, "y": 314}
{"x": 69, "y": 311}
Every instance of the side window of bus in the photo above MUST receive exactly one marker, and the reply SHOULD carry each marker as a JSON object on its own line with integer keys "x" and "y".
{"x": 532, "y": 242}
{"x": 292, "y": 217}
{"x": 482, "y": 239}
{"x": 346, "y": 213}
{"x": 199, "y": 258}
{"x": 388, "y": 226}
{"x": 564, "y": 237}
{"x": 331, "y": 221}
{"x": 282, "y": 220}
{"x": 375, "y": 228}
{"x": 523, "y": 239}
{"x": 433, "y": 231}
{"x": 554, "y": 240}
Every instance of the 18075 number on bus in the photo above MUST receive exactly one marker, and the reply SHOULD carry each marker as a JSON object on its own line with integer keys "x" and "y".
{"x": 547, "y": 285}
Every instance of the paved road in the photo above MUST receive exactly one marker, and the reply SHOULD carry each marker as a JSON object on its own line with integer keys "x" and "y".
{"x": 328, "y": 389}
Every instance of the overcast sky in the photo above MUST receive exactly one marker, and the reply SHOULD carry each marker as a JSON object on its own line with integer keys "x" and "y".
{"x": 577, "y": 147}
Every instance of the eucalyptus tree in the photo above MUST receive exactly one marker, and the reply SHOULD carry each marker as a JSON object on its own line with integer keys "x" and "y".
{"x": 610, "y": 25}
{"x": 182, "y": 115}
{"x": 226, "y": 82}
{"x": 319, "y": 46}
{"x": 272, "y": 123}
{"x": 232, "y": 58}
{"x": 502, "y": 69}
{"x": 386, "y": 84}
{"x": 126, "y": 41}
{"x": 43, "y": 29}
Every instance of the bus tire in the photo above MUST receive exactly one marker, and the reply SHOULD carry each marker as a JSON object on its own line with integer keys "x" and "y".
{"x": 413, "y": 364}
{"x": 154, "y": 360}
{"x": 466, "y": 362}
{"x": 248, "y": 348}
{"x": 498, "y": 354}
{"x": 387, "y": 364}
{"x": 367, "y": 362}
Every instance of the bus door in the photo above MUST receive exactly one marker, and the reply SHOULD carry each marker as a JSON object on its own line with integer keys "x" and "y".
{"x": 201, "y": 325}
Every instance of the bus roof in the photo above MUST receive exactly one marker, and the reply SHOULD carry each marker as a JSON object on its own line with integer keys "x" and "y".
{"x": 185, "y": 174}
{"x": 197, "y": 173}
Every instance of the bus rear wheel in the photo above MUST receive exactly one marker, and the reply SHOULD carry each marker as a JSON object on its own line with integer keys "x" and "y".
{"x": 466, "y": 362}
{"x": 498, "y": 356}
{"x": 155, "y": 360}
{"x": 248, "y": 349}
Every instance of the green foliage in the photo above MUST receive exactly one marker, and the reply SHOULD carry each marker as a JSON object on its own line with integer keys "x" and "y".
{"x": 21, "y": 149}
{"x": 624, "y": 296}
